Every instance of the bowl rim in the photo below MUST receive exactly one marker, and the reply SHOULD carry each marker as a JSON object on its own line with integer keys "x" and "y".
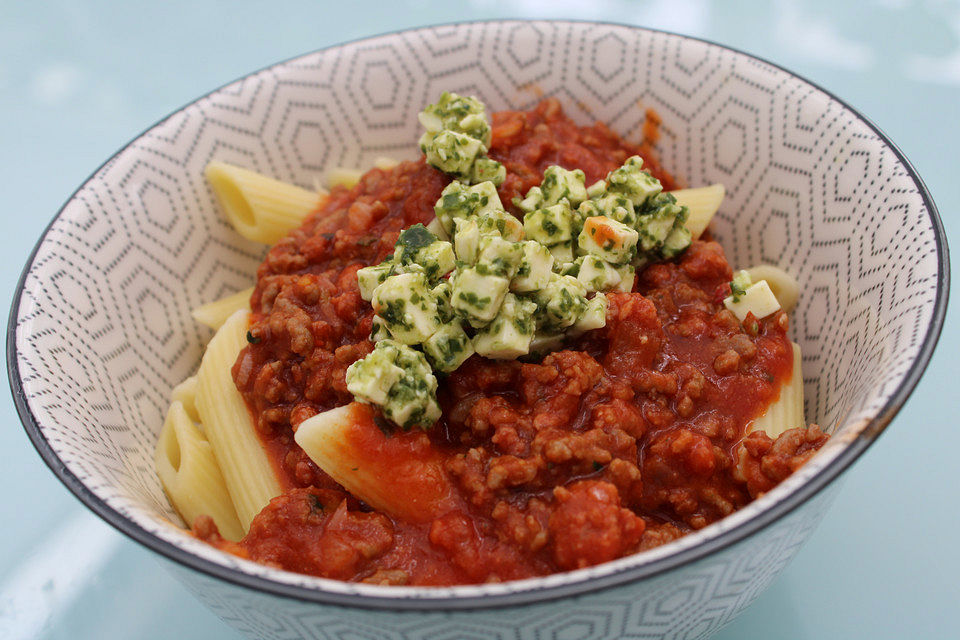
{"x": 685, "y": 556}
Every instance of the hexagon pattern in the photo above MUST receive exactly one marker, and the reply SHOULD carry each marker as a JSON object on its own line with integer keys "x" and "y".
{"x": 103, "y": 329}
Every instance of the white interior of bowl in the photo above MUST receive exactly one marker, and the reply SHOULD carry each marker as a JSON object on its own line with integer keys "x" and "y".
{"x": 104, "y": 330}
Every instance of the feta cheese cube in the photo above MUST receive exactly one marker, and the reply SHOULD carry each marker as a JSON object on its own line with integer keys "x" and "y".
{"x": 451, "y": 152}
{"x": 371, "y": 378}
{"x": 448, "y": 348}
{"x": 559, "y": 184}
{"x": 437, "y": 259}
{"x": 488, "y": 199}
{"x": 417, "y": 246}
{"x": 436, "y": 228}
{"x": 632, "y": 182}
{"x": 455, "y": 202}
{"x": 535, "y": 268}
{"x": 608, "y": 239}
{"x": 569, "y": 268}
{"x": 597, "y": 274}
{"x": 409, "y": 409}
{"x": 407, "y": 306}
{"x": 532, "y": 201}
{"x": 562, "y": 253}
{"x": 378, "y": 330}
{"x": 430, "y": 121}
{"x": 369, "y": 278}
{"x": 758, "y": 299}
{"x": 476, "y": 296}
{"x": 487, "y": 170}
{"x": 627, "y": 273}
{"x": 560, "y": 302}
{"x": 464, "y": 114}
{"x": 594, "y": 316}
{"x": 400, "y": 380}
{"x": 677, "y": 242}
{"x": 412, "y": 400}
{"x": 508, "y": 336}
{"x": 498, "y": 256}
{"x": 544, "y": 342}
{"x": 466, "y": 239}
{"x": 460, "y": 201}
{"x": 475, "y": 125}
{"x": 597, "y": 189}
{"x": 551, "y": 225}
{"x": 500, "y": 223}
{"x": 442, "y": 294}
{"x": 612, "y": 206}
{"x": 654, "y": 226}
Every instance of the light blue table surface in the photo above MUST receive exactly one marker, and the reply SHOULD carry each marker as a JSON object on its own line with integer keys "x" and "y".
{"x": 79, "y": 79}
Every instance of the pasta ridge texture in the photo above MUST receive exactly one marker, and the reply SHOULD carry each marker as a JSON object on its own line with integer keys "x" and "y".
{"x": 247, "y": 470}
{"x": 190, "y": 475}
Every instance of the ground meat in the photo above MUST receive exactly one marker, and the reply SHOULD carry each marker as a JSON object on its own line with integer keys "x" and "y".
{"x": 527, "y": 142}
{"x": 589, "y": 526}
{"x": 526, "y": 524}
{"x": 330, "y": 540}
{"x": 763, "y": 463}
{"x": 658, "y": 533}
{"x": 687, "y": 476}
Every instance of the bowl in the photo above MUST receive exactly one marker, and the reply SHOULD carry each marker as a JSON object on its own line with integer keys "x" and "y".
{"x": 100, "y": 328}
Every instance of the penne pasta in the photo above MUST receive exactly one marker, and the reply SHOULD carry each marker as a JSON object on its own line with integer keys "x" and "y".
{"x": 784, "y": 286}
{"x": 385, "y": 163}
{"x": 186, "y": 394}
{"x": 247, "y": 470}
{"x": 346, "y": 177}
{"x": 787, "y": 411}
{"x": 343, "y": 177}
{"x": 400, "y": 474}
{"x": 260, "y": 208}
{"x": 702, "y": 202}
{"x": 214, "y": 314}
{"x": 189, "y": 473}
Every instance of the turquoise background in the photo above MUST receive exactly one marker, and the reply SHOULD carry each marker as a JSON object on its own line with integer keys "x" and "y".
{"x": 79, "y": 79}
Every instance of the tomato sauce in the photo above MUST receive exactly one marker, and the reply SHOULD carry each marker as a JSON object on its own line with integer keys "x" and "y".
{"x": 627, "y": 438}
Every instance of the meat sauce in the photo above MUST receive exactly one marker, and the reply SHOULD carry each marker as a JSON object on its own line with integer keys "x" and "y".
{"x": 626, "y": 439}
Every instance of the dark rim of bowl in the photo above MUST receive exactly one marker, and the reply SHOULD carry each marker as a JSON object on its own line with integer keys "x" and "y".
{"x": 722, "y": 541}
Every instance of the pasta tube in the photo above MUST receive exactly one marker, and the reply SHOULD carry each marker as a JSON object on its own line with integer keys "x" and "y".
{"x": 247, "y": 470}
{"x": 345, "y": 177}
{"x": 787, "y": 411}
{"x": 189, "y": 473}
{"x": 341, "y": 176}
{"x": 398, "y": 474}
{"x": 702, "y": 203}
{"x": 186, "y": 394}
{"x": 348, "y": 178}
{"x": 385, "y": 163}
{"x": 260, "y": 208}
{"x": 214, "y": 314}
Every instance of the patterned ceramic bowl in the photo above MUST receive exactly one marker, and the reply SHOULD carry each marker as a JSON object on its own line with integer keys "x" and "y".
{"x": 100, "y": 328}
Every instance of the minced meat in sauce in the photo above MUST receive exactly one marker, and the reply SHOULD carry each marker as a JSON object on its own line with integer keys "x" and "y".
{"x": 627, "y": 439}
